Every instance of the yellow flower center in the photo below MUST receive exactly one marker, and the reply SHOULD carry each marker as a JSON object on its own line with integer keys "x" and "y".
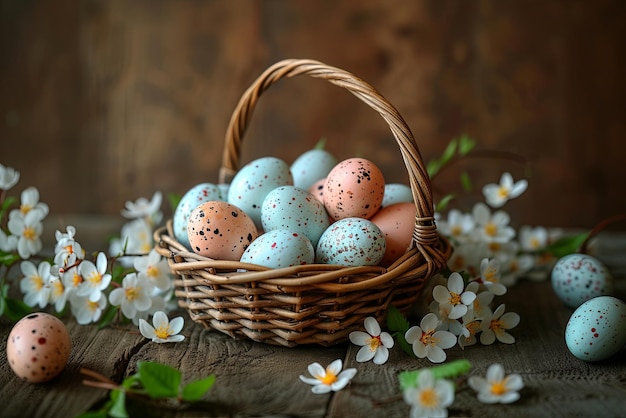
{"x": 93, "y": 306}
{"x": 498, "y": 388}
{"x": 328, "y": 379}
{"x": 374, "y": 343}
{"x": 458, "y": 263}
{"x": 490, "y": 275}
{"x": 131, "y": 293}
{"x": 428, "y": 339}
{"x": 497, "y": 326}
{"x": 455, "y": 298}
{"x": 494, "y": 247}
{"x": 428, "y": 398}
{"x": 29, "y": 233}
{"x": 473, "y": 327}
{"x": 25, "y": 209}
{"x": 37, "y": 282}
{"x": 491, "y": 229}
{"x": 95, "y": 278}
{"x": 503, "y": 192}
{"x": 456, "y": 231}
{"x": 152, "y": 271}
{"x": 146, "y": 247}
{"x": 162, "y": 332}
{"x": 77, "y": 279}
{"x": 57, "y": 288}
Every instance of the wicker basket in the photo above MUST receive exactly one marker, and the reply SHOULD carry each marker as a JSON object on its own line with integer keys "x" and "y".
{"x": 316, "y": 303}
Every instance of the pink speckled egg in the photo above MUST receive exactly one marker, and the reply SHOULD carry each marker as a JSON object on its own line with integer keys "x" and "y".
{"x": 596, "y": 330}
{"x": 38, "y": 347}
{"x": 354, "y": 188}
{"x": 220, "y": 230}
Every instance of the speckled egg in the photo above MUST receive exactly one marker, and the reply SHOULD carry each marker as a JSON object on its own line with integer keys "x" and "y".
{"x": 311, "y": 166}
{"x": 280, "y": 248}
{"x": 219, "y": 230}
{"x": 317, "y": 189}
{"x": 577, "y": 278}
{"x": 200, "y": 193}
{"x": 351, "y": 242}
{"x": 597, "y": 329}
{"x": 354, "y": 188}
{"x": 295, "y": 209}
{"x": 397, "y": 222}
{"x": 38, "y": 347}
{"x": 396, "y": 193}
{"x": 254, "y": 181}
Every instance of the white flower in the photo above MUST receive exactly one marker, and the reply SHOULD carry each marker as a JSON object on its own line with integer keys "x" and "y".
{"x": 516, "y": 266}
{"x": 8, "y": 243}
{"x": 133, "y": 296}
{"x": 490, "y": 276}
{"x": 480, "y": 307}
{"x": 329, "y": 379}
{"x": 375, "y": 344}
{"x": 154, "y": 268}
{"x": 454, "y": 296}
{"x": 496, "y": 388}
{"x": 67, "y": 251}
{"x": 533, "y": 239}
{"x": 470, "y": 327}
{"x": 457, "y": 226}
{"x": 431, "y": 397}
{"x": 85, "y": 310}
{"x": 427, "y": 341}
{"x": 71, "y": 279}
{"x": 95, "y": 278}
{"x": 34, "y": 285}
{"x": 58, "y": 294}
{"x": 497, "y": 195}
{"x": 142, "y": 207}
{"x": 8, "y": 177}
{"x": 30, "y": 201}
{"x": 28, "y": 229}
{"x": 135, "y": 238}
{"x": 158, "y": 303}
{"x": 492, "y": 228}
{"x": 495, "y": 326}
{"x": 164, "y": 330}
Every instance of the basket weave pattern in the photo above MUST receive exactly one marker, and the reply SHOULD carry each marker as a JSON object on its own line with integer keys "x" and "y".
{"x": 316, "y": 303}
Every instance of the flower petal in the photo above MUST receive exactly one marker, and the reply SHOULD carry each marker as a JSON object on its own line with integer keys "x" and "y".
{"x": 176, "y": 325}
{"x": 514, "y": 382}
{"x": 429, "y": 322}
{"x": 146, "y": 329}
{"x": 335, "y": 367}
{"x": 382, "y": 355}
{"x": 159, "y": 320}
{"x": 320, "y": 389}
{"x": 455, "y": 283}
{"x": 510, "y": 320}
{"x": 316, "y": 370}
{"x": 387, "y": 339}
{"x": 495, "y": 373}
{"x": 441, "y": 294}
{"x": 413, "y": 334}
{"x": 372, "y": 326}
{"x": 359, "y": 337}
{"x": 436, "y": 354}
{"x": 365, "y": 354}
{"x": 446, "y": 339}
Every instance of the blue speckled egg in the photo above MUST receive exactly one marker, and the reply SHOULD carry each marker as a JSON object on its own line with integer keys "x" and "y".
{"x": 351, "y": 242}
{"x": 396, "y": 193}
{"x": 199, "y": 193}
{"x": 280, "y": 248}
{"x": 597, "y": 329}
{"x": 254, "y": 181}
{"x": 311, "y": 166}
{"x": 577, "y": 278}
{"x": 295, "y": 209}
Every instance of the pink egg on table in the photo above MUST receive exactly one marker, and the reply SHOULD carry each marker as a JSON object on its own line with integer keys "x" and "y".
{"x": 38, "y": 347}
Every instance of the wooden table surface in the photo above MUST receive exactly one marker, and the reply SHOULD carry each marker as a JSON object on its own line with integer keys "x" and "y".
{"x": 260, "y": 380}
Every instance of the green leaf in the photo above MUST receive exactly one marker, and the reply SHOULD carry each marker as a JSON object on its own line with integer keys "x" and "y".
{"x": 102, "y": 413}
{"x": 566, "y": 245}
{"x": 15, "y": 309}
{"x": 173, "y": 200}
{"x": 8, "y": 259}
{"x": 450, "y": 370}
{"x": 402, "y": 342}
{"x": 443, "y": 203}
{"x": 433, "y": 167}
{"x": 448, "y": 153}
{"x": 395, "y": 320}
{"x": 6, "y": 205}
{"x": 194, "y": 391}
{"x": 321, "y": 144}
{"x": 466, "y": 182}
{"x": 466, "y": 144}
{"x": 159, "y": 380}
{"x": 118, "y": 409}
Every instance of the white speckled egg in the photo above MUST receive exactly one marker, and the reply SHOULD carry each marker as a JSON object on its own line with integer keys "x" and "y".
{"x": 295, "y": 209}
{"x": 219, "y": 230}
{"x": 351, "y": 242}
{"x": 254, "y": 181}
{"x": 312, "y": 166}
{"x": 597, "y": 329}
{"x": 354, "y": 188}
{"x": 577, "y": 278}
{"x": 199, "y": 193}
{"x": 280, "y": 248}
{"x": 38, "y": 347}
{"x": 396, "y": 193}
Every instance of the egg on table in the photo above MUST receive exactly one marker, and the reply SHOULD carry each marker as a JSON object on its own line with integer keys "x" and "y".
{"x": 38, "y": 347}
{"x": 577, "y": 278}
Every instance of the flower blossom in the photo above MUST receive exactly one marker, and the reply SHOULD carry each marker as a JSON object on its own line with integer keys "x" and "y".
{"x": 8, "y": 177}
{"x": 142, "y": 207}
{"x": 332, "y": 378}
{"x": 133, "y": 296}
{"x": 427, "y": 341}
{"x": 375, "y": 344}
{"x": 8, "y": 243}
{"x": 95, "y": 278}
{"x": 496, "y": 195}
{"x": 496, "y": 387}
{"x": 431, "y": 397}
{"x": 154, "y": 268}
{"x": 454, "y": 296}
{"x": 490, "y": 276}
{"x": 85, "y": 310}
{"x": 30, "y": 201}
{"x": 35, "y": 284}
{"x": 28, "y": 229}
{"x": 492, "y": 227}
{"x": 458, "y": 225}
{"x": 164, "y": 330}
{"x": 495, "y": 326}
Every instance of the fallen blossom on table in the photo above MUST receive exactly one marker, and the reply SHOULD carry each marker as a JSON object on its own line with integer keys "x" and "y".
{"x": 496, "y": 387}
{"x": 328, "y": 379}
{"x": 164, "y": 330}
{"x": 375, "y": 344}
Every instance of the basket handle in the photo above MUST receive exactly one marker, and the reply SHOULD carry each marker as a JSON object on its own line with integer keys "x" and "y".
{"x": 425, "y": 231}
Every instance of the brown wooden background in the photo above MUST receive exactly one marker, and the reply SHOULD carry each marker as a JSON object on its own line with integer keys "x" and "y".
{"x": 106, "y": 101}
